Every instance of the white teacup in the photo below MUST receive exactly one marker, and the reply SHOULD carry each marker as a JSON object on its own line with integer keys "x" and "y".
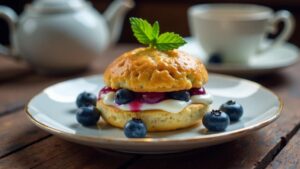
{"x": 237, "y": 31}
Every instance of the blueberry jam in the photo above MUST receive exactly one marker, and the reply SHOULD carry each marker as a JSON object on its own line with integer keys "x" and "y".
{"x": 105, "y": 90}
{"x": 137, "y": 99}
{"x": 197, "y": 91}
{"x": 152, "y": 97}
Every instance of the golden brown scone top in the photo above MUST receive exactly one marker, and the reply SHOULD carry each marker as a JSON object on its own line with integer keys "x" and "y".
{"x": 150, "y": 70}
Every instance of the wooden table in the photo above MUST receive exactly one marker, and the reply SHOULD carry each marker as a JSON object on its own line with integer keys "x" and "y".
{"x": 23, "y": 145}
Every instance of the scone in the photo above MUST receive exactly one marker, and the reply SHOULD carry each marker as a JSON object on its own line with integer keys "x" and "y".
{"x": 162, "y": 88}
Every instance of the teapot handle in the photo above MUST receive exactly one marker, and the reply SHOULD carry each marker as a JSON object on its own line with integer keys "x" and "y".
{"x": 11, "y": 18}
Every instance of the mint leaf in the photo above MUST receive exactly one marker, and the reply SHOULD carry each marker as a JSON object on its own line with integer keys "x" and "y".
{"x": 142, "y": 30}
{"x": 169, "y": 41}
{"x": 155, "y": 30}
{"x": 147, "y": 34}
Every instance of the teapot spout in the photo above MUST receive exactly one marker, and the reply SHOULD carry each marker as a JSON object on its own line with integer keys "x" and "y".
{"x": 115, "y": 17}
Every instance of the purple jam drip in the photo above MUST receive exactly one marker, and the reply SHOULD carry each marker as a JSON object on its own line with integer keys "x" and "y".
{"x": 135, "y": 106}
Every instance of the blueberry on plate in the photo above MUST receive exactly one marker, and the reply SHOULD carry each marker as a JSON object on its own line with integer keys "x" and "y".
{"x": 216, "y": 120}
{"x": 86, "y": 99}
{"x": 88, "y": 116}
{"x": 215, "y": 58}
{"x": 180, "y": 95}
{"x": 233, "y": 110}
{"x": 124, "y": 96}
{"x": 135, "y": 128}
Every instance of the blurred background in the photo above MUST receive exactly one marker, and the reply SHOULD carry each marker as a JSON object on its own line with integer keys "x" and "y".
{"x": 172, "y": 14}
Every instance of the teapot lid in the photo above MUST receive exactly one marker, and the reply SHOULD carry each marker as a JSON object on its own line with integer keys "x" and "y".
{"x": 54, "y": 6}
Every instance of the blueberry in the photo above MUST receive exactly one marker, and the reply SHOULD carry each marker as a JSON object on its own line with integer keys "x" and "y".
{"x": 87, "y": 116}
{"x": 215, "y": 58}
{"x": 86, "y": 99}
{"x": 124, "y": 96}
{"x": 180, "y": 95}
{"x": 232, "y": 109}
{"x": 135, "y": 128}
{"x": 216, "y": 120}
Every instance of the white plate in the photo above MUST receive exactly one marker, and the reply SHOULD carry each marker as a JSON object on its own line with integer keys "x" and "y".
{"x": 275, "y": 59}
{"x": 54, "y": 111}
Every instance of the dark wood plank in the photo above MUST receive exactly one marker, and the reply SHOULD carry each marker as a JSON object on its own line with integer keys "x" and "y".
{"x": 18, "y": 92}
{"x": 16, "y": 132}
{"x": 56, "y": 153}
{"x": 289, "y": 157}
{"x": 254, "y": 151}
{"x": 11, "y": 69}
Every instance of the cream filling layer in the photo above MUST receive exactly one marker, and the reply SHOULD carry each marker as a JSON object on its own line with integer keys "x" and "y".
{"x": 169, "y": 105}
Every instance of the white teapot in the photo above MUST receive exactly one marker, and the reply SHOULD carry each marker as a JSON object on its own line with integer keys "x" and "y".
{"x": 57, "y": 36}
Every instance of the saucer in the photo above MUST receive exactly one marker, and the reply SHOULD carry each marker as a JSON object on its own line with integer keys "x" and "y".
{"x": 54, "y": 110}
{"x": 273, "y": 60}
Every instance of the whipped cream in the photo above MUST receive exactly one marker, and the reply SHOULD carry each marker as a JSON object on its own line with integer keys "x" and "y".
{"x": 169, "y": 105}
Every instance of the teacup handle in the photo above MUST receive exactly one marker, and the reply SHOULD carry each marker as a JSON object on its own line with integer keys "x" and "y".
{"x": 287, "y": 18}
{"x": 11, "y": 18}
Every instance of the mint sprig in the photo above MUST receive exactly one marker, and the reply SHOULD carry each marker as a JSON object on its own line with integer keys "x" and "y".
{"x": 148, "y": 34}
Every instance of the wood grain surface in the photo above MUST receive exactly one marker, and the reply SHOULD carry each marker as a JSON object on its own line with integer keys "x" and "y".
{"x": 16, "y": 132}
{"x": 22, "y": 145}
{"x": 289, "y": 156}
{"x": 57, "y": 153}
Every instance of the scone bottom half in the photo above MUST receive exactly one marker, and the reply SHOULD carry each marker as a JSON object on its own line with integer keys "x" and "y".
{"x": 155, "y": 120}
